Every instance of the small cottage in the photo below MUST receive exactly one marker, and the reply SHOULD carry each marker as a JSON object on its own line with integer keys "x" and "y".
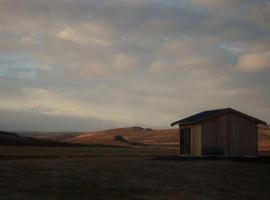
{"x": 218, "y": 132}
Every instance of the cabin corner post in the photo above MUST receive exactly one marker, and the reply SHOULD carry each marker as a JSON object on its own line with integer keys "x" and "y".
{"x": 257, "y": 140}
{"x": 179, "y": 147}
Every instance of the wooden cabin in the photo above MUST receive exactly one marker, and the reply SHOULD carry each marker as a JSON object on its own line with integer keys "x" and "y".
{"x": 218, "y": 132}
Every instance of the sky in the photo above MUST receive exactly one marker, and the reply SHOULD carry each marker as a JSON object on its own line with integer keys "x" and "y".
{"x": 82, "y": 65}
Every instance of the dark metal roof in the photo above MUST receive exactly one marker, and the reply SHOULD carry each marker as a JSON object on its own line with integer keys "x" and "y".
{"x": 197, "y": 118}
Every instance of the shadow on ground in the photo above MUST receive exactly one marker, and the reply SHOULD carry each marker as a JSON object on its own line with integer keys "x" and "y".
{"x": 259, "y": 159}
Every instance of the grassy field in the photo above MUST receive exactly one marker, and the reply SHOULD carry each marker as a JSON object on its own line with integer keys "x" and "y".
{"x": 125, "y": 173}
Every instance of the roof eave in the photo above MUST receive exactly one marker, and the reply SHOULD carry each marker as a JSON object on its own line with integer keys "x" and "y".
{"x": 183, "y": 124}
{"x": 225, "y": 110}
{"x": 197, "y": 122}
{"x": 261, "y": 122}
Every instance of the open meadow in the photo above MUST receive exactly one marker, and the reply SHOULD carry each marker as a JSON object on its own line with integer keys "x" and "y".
{"x": 126, "y": 173}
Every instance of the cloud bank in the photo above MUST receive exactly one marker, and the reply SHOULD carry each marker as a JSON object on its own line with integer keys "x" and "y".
{"x": 108, "y": 63}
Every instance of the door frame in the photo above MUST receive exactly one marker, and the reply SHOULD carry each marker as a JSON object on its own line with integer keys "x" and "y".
{"x": 185, "y": 141}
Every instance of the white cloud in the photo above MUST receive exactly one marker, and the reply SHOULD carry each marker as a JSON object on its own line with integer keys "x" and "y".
{"x": 157, "y": 66}
{"x": 254, "y": 61}
{"x": 124, "y": 62}
{"x": 88, "y": 33}
{"x": 94, "y": 69}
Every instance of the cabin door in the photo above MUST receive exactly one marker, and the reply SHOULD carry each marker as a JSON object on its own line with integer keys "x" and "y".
{"x": 185, "y": 141}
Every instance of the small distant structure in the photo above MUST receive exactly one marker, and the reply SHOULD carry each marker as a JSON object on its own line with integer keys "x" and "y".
{"x": 225, "y": 132}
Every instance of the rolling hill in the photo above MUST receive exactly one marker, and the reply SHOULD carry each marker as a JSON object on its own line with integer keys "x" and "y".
{"x": 13, "y": 139}
{"x": 132, "y": 136}
{"x": 137, "y": 136}
{"x": 264, "y": 138}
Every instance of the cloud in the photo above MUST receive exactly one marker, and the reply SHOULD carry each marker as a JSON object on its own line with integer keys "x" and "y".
{"x": 49, "y": 103}
{"x": 218, "y": 4}
{"x": 87, "y": 33}
{"x": 14, "y": 120}
{"x": 128, "y": 62}
{"x": 254, "y": 62}
{"x": 120, "y": 63}
{"x": 124, "y": 62}
{"x": 260, "y": 14}
{"x": 52, "y": 103}
{"x": 94, "y": 69}
{"x": 186, "y": 55}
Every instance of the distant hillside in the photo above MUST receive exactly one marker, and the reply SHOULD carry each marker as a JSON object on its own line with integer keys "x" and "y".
{"x": 264, "y": 138}
{"x": 132, "y": 136}
{"x": 136, "y": 136}
{"x": 55, "y": 136}
{"x": 12, "y": 139}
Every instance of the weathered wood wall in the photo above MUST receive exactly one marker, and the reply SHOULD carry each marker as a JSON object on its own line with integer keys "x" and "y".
{"x": 195, "y": 139}
{"x": 236, "y": 134}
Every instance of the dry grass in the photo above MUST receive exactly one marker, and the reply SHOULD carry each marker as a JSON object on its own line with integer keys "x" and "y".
{"x": 67, "y": 152}
{"x": 264, "y": 139}
{"x": 150, "y": 137}
{"x": 125, "y": 173}
{"x": 132, "y": 134}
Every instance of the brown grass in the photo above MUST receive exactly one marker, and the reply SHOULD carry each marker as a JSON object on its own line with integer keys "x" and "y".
{"x": 133, "y": 134}
{"x": 41, "y": 173}
{"x": 264, "y": 139}
{"x": 167, "y": 137}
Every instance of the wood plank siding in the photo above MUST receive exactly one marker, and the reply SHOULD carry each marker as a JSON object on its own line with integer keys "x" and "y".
{"x": 236, "y": 134}
{"x": 195, "y": 139}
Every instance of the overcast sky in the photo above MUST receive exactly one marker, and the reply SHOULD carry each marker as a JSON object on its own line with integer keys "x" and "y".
{"x": 98, "y": 64}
